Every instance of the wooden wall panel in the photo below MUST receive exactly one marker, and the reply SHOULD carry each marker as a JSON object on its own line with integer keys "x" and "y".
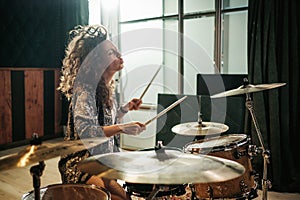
{"x": 58, "y": 105}
{"x": 29, "y": 103}
{"x": 5, "y": 107}
{"x": 34, "y": 103}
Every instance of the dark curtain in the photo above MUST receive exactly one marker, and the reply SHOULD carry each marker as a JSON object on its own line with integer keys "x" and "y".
{"x": 34, "y": 32}
{"x": 274, "y": 52}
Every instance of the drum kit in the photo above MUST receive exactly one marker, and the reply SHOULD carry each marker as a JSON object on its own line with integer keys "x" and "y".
{"x": 215, "y": 167}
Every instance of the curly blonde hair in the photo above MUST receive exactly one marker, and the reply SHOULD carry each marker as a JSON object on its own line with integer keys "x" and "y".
{"x": 82, "y": 40}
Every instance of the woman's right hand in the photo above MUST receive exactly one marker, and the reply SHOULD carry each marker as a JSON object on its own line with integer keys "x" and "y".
{"x": 132, "y": 128}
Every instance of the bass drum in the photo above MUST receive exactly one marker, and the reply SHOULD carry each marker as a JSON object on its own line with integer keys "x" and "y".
{"x": 138, "y": 190}
{"x": 233, "y": 147}
{"x": 70, "y": 192}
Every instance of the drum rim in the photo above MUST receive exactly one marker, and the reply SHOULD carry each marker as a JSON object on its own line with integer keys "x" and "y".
{"x": 71, "y": 184}
{"x": 228, "y": 147}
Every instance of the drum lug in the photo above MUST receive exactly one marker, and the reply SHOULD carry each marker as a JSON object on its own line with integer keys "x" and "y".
{"x": 238, "y": 154}
{"x": 254, "y": 174}
{"x": 210, "y": 192}
{"x": 253, "y": 150}
{"x": 193, "y": 192}
{"x": 244, "y": 187}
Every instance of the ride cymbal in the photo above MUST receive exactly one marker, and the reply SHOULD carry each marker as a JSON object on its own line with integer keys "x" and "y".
{"x": 36, "y": 153}
{"x": 247, "y": 89}
{"x": 196, "y": 129}
{"x": 161, "y": 167}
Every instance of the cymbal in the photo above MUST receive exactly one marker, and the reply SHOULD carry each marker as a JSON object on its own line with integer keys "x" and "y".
{"x": 36, "y": 153}
{"x": 195, "y": 129}
{"x": 161, "y": 167}
{"x": 248, "y": 89}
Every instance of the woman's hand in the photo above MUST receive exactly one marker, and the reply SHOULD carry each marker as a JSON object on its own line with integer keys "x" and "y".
{"x": 132, "y": 128}
{"x": 134, "y": 104}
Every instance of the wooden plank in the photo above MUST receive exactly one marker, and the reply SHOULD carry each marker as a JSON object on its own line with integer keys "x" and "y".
{"x": 57, "y": 104}
{"x": 5, "y": 107}
{"x": 34, "y": 103}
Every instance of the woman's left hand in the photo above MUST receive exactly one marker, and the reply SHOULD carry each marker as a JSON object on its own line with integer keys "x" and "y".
{"x": 134, "y": 104}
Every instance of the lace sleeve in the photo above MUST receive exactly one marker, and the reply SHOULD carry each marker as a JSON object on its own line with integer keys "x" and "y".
{"x": 86, "y": 117}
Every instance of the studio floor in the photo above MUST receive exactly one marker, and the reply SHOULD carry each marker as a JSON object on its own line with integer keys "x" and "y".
{"x": 16, "y": 182}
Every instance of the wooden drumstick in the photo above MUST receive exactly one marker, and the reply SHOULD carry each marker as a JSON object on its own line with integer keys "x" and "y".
{"x": 166, "y": 110}
{"x": 150, "y": 82}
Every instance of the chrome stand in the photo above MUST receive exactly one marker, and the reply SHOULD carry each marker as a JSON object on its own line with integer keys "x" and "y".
{"x": 265, "y": 152}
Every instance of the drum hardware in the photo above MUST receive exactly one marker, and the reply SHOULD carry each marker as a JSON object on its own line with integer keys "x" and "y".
{"x": 246, "y": 89}
{"x": 71, "y": 192}
{"x": 167, "y": 168}
{"x": 36, "y": 172}
{"x": 253, "y": 150}
{"x": 210, "y": 192}
{"x": 171, "y": 167}
{"x": 193, "y": 191}
{"x": 244, "y": 187}
{"x": 150, "y": 191}
{"x": 40, "y": 151}
{"x": 196, "y": 129}
{"x": 199, "y": 128}
{"x": 239, "y": 153}
{"x": 232, "y": 147}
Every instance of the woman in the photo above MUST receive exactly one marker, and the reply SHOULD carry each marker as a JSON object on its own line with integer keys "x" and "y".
{"x": 89, "y": 67}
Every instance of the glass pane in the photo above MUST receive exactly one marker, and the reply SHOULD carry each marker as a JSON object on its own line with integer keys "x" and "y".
{"x": 198, "y": 50}
{"x": 170, "y": 7}
{"x": 234, "y": 41}
{"x": 234, "y": 3}
{"x": 94, "y": 12}
{"x": 139, "y": 9}
{"x": 198, "y": 5}
{"x": 141, "y": 45}
{"x": 171, "y": 56}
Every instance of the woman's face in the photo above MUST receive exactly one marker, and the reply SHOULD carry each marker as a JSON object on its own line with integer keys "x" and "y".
{"x": 112, "y": 57}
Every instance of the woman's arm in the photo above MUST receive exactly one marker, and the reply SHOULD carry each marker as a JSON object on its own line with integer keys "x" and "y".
{"x": 86, "y": 116}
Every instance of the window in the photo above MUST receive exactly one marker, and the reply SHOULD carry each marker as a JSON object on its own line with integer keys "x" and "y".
{"x": 186, "y": 37}
{"x": 214, "y": 40}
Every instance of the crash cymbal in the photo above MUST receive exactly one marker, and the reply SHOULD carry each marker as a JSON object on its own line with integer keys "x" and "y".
{"x": 161, "y": 167}
{"x": 247, "y": 89}
{"x": 195, "y": 129}
{"x": 36, "y": 153}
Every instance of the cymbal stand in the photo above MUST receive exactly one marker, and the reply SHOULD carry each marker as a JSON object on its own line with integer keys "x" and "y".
{"x": 199, "y": 113}
{"x": 154, "y": 192}
{"x": 36, "y": 172}
{"x": 265, "y": 152}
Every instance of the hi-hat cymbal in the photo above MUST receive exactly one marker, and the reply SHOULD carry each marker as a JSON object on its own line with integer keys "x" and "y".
{"x": 247, "y": 89}
{"x": 36, "y": 153}
{"x": 161, "y": 167}
{"x": 196, "y": 129}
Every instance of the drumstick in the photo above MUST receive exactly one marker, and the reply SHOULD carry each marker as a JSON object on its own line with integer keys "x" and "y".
{"x": 150, "y": 82}
{"x": 166, "y": 110}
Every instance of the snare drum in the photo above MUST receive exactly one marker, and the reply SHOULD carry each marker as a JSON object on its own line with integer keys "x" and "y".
{"x": 233, "y": 147}
{"x": 70, "y": 192}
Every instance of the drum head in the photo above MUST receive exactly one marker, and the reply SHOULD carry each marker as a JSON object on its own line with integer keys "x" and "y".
{"x": 222, "y": 143}
{"x": 70, "y": 192}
